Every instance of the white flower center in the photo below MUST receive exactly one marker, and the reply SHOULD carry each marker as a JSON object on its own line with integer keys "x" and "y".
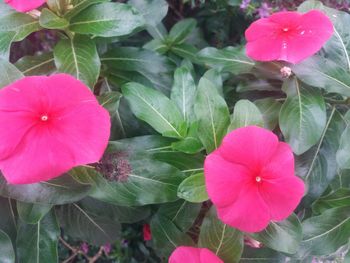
{"x": 286, "y": 29}
{"x": 258, "y": 179}
{"x": 44, "y": 118}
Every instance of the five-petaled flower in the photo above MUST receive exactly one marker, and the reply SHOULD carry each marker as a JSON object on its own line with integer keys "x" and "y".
{"x": 25, "y": 5}
{"x": 250, "y": 179}
{"x": 288, "y": 36}
{"x": 50, "y": 125}
{"x": 193, "y": 255}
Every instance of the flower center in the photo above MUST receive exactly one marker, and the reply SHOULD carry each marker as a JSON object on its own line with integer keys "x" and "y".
{"x": 286, "y": 29}
{"x": 44, "y": 118}
{"x": 258, "y": 179}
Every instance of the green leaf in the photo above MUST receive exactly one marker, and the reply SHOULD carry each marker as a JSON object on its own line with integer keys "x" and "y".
{"x": 6, "y": 39}
{"x": 110, "y": 101}
{"x": 32, "y": 213}
{"x": 58, "y": 191}
{"x": 343, "y": 159}
{"x": 323, "y": 73}
{"x": 8, "y": 73}
{"x": 303, "y": 115}
{"x": 270, "y": 109}
{"x": 40, "y": 64}
{"x": 107, "y": 20}
{"x": 122, "y": 214}
{"x": 261, "y": 255}
{"x": 212, "y": 114}
{"x": 231, "y": 59}
{"x": 326, "y": 233}
{"x": 224, "y": 241}
{"x": 7, "y": 253}
{"x": 284, "y": 236}
{"x": 43, "y": 241}
{"x": 50, "y": 20}
{"x": 318, "y": 166}
{"x": 166, "y": 236}
{"x": 21, "y": 23}
{"x": 185, "y": 51}
{"x": 154, "y": 68}
{"x": 79, "y": 58}
{"x": 244, "y": 114}
{"x": 181, "y": 30}
{"x": 153, "y": 12}
{"x": 338, "y": 47}
{"x": 156, "y": 109}
{"x": 339, "y": 198}
{"x": 187, "y": 163}
{"x": 183, "y": 92}
{"x": 80, "y": 5}
{"x": 142, "y": 181}
{"x": 193, "y": 189}
{"x": 149, "y": 143}
{"x": 191, "y": 144}
{"x": 182, "y": 213}
{"x": 8, "y": 219}
{"x": 156, "y": 45}
{"x": 85, "y": 224}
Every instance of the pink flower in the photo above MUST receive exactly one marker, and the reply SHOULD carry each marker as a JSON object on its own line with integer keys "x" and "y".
{"x": 288, "y": 36}
{"x": 25, "y": 5}
{"x": 50, "y": 125}
{"x": 250, "y": 179}
{"x": 147, "y": 235}
{"x": 193, "y": 255}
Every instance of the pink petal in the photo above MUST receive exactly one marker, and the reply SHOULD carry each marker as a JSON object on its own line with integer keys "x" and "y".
{"x": 223, "y": 179}
{"x": 262, "y": 28}
{"x": 249, "y": 213}
{"x": 281, "y": 163}
{"x": 264, "y": 49}
{"x": 184, "y": 254}
{"x": 25, "y": 5}
{"x": 85, "y": 132}
{"x": 76, "y": 131}
{"x": 314, "y": 31}
{"x": 37, "y": 158}
{"x": 17, "y": 125}
{"x": 208, "y": 256}
{"x": 305, "y": 35}
{"x": 251, "y": 146}
{"x": 286, "y": 18}
{"x": 282, "y": 195}
{"x": 60, "y": 84}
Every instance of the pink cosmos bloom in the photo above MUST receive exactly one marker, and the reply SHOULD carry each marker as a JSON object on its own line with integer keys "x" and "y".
{"x": 193, "y": 255}
{"x": 50, "y": 125}
{"x": 25, "y": 5}
{"x": 250, "y": 179}
{"x": 288, "y": 36}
